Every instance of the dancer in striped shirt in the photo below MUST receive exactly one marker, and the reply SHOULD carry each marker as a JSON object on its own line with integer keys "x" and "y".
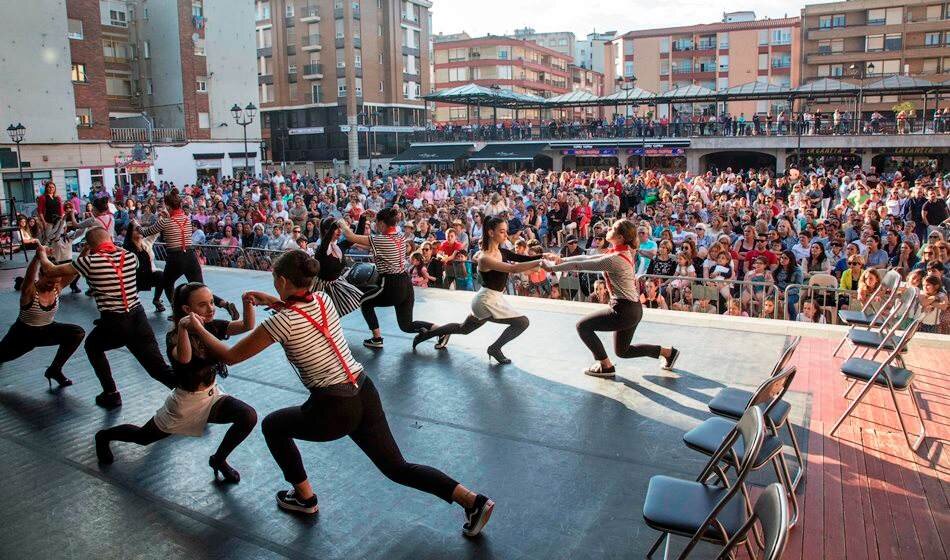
{"x": 388, "y": 248}
{"x": 343, "y": 400}
{"x": 625, "y": 311}
{"x": 110, "y": 271}
{"x": 34, "y": 327}
{"x": 180, "y": 258}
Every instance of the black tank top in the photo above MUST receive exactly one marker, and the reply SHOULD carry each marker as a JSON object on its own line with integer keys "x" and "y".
{"x": 497, "y": 280}
{"x": 330, "y": 267}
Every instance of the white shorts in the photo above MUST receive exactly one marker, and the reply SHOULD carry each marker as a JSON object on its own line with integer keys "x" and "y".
{"x": 186, "y": 413}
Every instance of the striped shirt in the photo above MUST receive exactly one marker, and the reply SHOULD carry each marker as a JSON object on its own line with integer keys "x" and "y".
{"x": 105, "y": 221}
{"x": 36, "y": 314}
{"x": 389, "y": 253}
{"x": 310, "y": 353}
{"x": 619, "y": 272}
{"x": 100, "y": 271}
{"x": 176, "y": 230}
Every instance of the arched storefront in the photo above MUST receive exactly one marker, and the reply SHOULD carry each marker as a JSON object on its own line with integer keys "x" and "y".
{"x": 924, "y": 158}
{"x": 737, "y": 159}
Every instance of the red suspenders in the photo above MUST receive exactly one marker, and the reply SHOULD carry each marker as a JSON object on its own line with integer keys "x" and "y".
{"x": 322, "y": 329}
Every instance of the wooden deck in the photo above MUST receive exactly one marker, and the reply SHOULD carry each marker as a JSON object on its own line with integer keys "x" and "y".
{"x": 866, "y": 494}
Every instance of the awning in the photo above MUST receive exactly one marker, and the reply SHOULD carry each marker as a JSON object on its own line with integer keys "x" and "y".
{"x": 242, "y": 155}
{"x": 432, "y": 153}
{"x": 208, "y": 156}
{"x": 508, "y": 152}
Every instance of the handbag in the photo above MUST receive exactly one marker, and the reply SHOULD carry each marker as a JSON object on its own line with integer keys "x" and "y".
{"x": 364, "y": 276}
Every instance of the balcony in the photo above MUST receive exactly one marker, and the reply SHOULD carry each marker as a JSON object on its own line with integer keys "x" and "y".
{"x": 356, "y": 12}
{"x": 358, "y": 71}
{"x": 291, "y": 50}
{"x": 682, "y": 69}
{"x": 410, "y": 19}
{"x": 291, "y": 77}
{"x": 265, "y": 51}
{"x": 265, "y": 79}
{"x": 289, "y": 22}
{"x": 411, "y": 51}
{"x": 310, "y": 43}
{"x": 357, "y": 43}
{"x": 313, "y": 71}
{"x": 141, "y": 136}
{"x": 339, "y": 42}
{"x": 309, "y": 14}
{"x": 337, "y": 13}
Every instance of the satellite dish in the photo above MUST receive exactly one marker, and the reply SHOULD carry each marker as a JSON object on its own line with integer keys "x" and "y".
{"x": 195, "y": 38}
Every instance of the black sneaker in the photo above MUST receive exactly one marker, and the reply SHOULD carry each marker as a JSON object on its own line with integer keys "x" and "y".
{"x": 442, "y": 342}
{"x": 674, "y": 354}
{"x": 103, "y": 453}
{"x": 597, "y": 370}
{"x": 375, "y": 342}
{"x": 109, "y": 400}
{"x": 288, "y": 500}
{"x": 17, "y": 283}
{"x": 477, "y": 516}
{"x": 74, "y": 289}
{"x": 159, "y": 307}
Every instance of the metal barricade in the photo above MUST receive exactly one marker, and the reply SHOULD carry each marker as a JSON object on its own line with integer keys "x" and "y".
{"x": 708, "y": 295}
{"x": 829, "y": 299}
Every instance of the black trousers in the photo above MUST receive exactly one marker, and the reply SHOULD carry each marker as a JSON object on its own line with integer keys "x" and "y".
{"x": 515, "y": 326}
{"x": 22, "y": 338}
{"x": 329, "y": 417}
{"x": 131, "y": 330}
{"x": 178, "y": 264}
{"x": 395, "y": 290}
{"x": 621, "y": 317}
{"x": 155, "y": 280}
{"x": 228, "y": 410}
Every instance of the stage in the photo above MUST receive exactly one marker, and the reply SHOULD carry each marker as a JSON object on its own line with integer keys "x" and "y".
{"x": 566, "y": 457}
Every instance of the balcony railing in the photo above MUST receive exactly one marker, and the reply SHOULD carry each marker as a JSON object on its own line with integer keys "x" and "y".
{"x": 140, "y": 135}
{"x": 309, "y": 13}
{"x": 312, "y": 71}
{"x": 310, "y": 42}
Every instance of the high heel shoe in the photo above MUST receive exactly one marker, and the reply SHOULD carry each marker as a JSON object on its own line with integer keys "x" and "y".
{"x": 159, "y": 307}
{"x": 61, "y": 380}
{"x": 227, "y": 472}
{"x": 499, "y": 357}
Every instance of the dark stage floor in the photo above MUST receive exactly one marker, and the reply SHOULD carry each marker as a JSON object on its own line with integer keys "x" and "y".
{"x": 567, "y": 458}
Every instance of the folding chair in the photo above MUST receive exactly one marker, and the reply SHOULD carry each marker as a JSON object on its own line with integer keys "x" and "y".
{"x": 700, "y": 510}
{"x": 821, "y": 283}
{"x": 865, "y": 318}
{"x": 570, "y": 283}
{"x": 708, "y": 436}
{"x": 771, "y": 511}
{"x": 885, "y": 374}
{"x": 885, "y": 337}
{"x": 731, "y": 403}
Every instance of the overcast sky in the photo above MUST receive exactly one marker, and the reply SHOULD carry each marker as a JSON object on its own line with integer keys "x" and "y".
{"x": 501, "y": 17}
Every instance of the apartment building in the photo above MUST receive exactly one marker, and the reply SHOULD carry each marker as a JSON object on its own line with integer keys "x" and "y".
{"x": 340, "y": 80}
{"x": 563, "y": 42}
{"x": 117, "y": 91}
{"x": 738, "y": 50}
{"x": 591, "y": 81}
{"x": 865, "y": 40}
{"x": 591, "y": 51}
{"x": 518, "y": 65}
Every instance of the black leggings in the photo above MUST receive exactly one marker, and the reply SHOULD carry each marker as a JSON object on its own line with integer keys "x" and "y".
{"x": 228, "y": 410}
{"x": 622, "y": 318}
{"x": 21, "y": 338}
{"x": 395, "y": 290}
{"x": 327, "y": 417}
{"x": 155, "y": 279}
{"x": 131, "y": 329}
{"x": 516, "y": 326}
{"x": 182, "y": 263}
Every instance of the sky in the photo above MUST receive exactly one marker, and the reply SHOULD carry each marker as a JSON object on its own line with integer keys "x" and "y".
{"x": 502, "y": 17}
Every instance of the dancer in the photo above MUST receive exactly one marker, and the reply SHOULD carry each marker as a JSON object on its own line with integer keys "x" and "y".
{"x": 343, "y": 400}
{"x": 345, "y": 296}
{"x": 180, "y": 258}
{"x": 625, "y": 310}
{"x": 110, "y": 272}
{"x": 197, "y": 400}
{"x": 147, "y": 277}
{"x": 39, "y": 300}
{"x": 101, "y": 217}
{"x": 388, "y": 248}
{"x": 494, "y": 265}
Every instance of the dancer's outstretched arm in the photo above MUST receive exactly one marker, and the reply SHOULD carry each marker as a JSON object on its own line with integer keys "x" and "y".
{"x": 248, "y": 347}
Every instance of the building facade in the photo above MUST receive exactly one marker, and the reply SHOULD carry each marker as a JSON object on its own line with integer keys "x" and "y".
{"x": 117, "y": 91}
{"x": 560, "y": 41}
{"x": 591, "y": 52}
{"x": 340, "y": 80}
{"x": 514, "y": 64}
{"x": 865, "y": 40}
{"x": 716, "y": 56}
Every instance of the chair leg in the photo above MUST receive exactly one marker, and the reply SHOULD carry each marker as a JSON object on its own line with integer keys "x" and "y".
{"x": 838, "y": 349}
{"x": 748, "y": 548}
{"x": 781, "y": 471}
{"x": 900, "y": 417}
{"x": 851, "y": 385}
{"x": 800, "y": 474}
{"x": 663, "y": 537}
{"x": 854, "y": 404}
{"x": 759, "y": 537}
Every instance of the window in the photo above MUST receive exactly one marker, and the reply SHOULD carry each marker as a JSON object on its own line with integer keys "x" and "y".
{"x": 824, "y": 70}
{"x": 380, "y": 58}
{"x": 263, "y": 10}
{"x": 893, "y": 42}
{"x": 877, "y": 17}
{"x": 838, "y": 20}
{"x": 781, "y": 60}
{"x": 763, "y": 37}
{"x": 341, "y": 87}
{"x": 723, "y": 40}
{"x": 289, "y": 10}
{"x": 197, "y": 9}
{"x": 664, "y": 45}
{"x": 782, "y": 36}
{"x": 763, "y": 61}
{"x": 724, "y": 63}
{"x": 201, "y": 84}
{"x": 359, "y": 87}
{"x": 79, "y": 73}
{"x": 379, "y": 30}
{"x": 118, "y": 87}
{"x": 628, "y": 47}
{"x": 203, "y": 120}
{"x": 71, "y": 178}
{"x": 504, "y": 72}
{"x": 891, "y": 67}
{"x": 83, "y": 116}
{"x": 381, "y": 87}
{"x": 340, "y": 60}
{"x": 824, "y": 22}
{"x": 74, "y": 29}
{"x": 148, "y": 86}
{"x": 316, "y": 92}
{"x": 664, "y": 67}
{"x": 628, "y": 69}
{"x": 932, "y": 39}
{"x": 874, "y": 43}
{"x": 722, "y": 83}
{"x": 115, "y": 50}
{"x": 933, "y": 12}
{"x": 146, "y": 50}
{"x": 837, "y": 70}
{"x": 930, "y": 65}
{"x": 200, "y": 47}
{"x": 503, "y": 54}
{"x": 265, "y": 38}
{"x": 458, "y": 74}
{"x": 339, "y": 28}
{"x": 118, "y": 18}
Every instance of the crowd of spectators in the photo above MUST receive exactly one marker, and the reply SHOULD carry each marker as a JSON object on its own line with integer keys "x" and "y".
{"x": 736, "y": 242}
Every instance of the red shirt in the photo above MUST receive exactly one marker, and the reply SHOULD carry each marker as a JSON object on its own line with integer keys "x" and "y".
{"x": 57, "y": 206}
{"x": 770, "y": 257}
{"x": 449, "y": 248}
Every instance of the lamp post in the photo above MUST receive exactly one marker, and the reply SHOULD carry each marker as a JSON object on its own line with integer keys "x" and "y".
{"x": 369, "y": 149}
{"x": 860, "y": 74}
{"x": 16, "y": 135}
{"x": 244, "y": 118}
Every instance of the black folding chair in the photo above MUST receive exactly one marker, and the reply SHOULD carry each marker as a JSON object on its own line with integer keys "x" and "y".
{"x": 708, "y": 436}
{"x": 885, "y": 337}
{"x": 885, "y": 374}
{"x": 771, "y": 511}
{"x": 701, "y": 510}
{"x": 732, "y": 403}
{"x": 865, "y": 318}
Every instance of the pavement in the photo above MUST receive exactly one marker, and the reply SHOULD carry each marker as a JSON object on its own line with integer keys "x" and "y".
{"x": 567, "y": 458}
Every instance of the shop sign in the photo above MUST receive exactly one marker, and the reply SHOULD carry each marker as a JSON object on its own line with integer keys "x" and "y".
{"x": 590, "y": 152}
{"x": 826, "y": 151}
{"x": 657, "y": 152}
{"x": 919, "y": 151}
{"x": 305, "y": 130}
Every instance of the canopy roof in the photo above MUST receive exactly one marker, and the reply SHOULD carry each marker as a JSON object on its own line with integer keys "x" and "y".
{"x": 519, "y": 151}
{"x": 474, "y": 94}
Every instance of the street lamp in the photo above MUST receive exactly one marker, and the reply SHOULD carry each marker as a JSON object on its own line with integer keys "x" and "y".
{"x": 369, "y": 149}
{"x": 16, "y": 135}
{"x": 244, "y": 119}
{"x": 858, "y": 73}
